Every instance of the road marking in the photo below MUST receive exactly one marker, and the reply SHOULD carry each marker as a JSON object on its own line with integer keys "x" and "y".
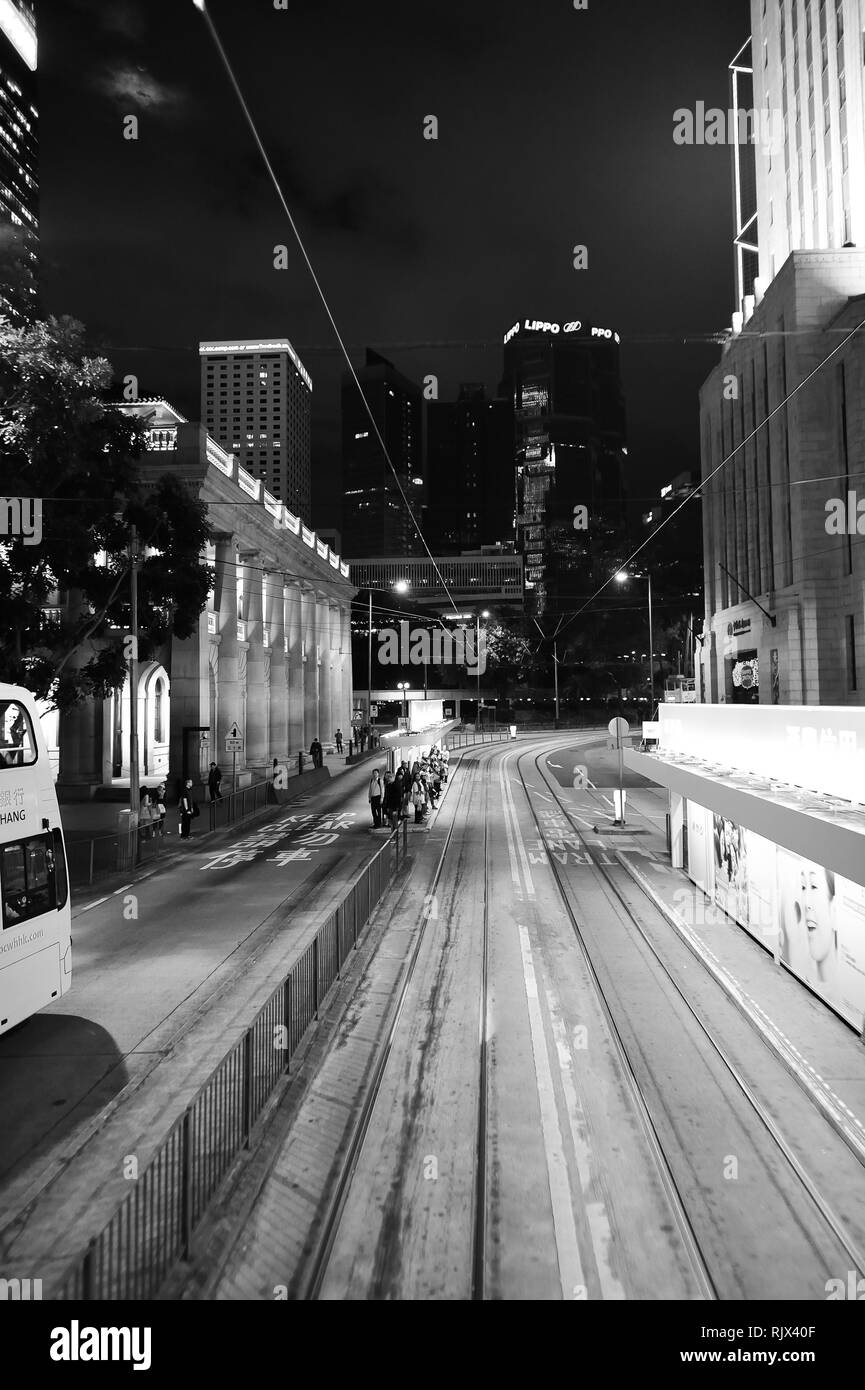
{"x": 96, "y": 904}
{"x": 596, "y": 1212}
{"x": 567, "y": 1246}
{"x": 121, "y": 890}
{"x": 510, "y": 809}
{"x": 515, "y": 874}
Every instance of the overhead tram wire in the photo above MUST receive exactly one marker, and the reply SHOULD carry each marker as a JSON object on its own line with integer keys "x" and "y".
{"x": 715, "y": 471}
{"x": 200, "y": 5}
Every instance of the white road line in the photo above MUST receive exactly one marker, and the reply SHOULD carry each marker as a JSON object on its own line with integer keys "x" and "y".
{"x": 596, "y": 1212}
{"x": 510, "y": 808}
{"x": 567, "y": 1246}
{"x": 515, "y": 874}
{"x": 122, "y": 890}
{"x": 96, "y": 904}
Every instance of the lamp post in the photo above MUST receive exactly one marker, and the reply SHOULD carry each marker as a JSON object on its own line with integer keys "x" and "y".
{"x": 404, "y": 687}
{"x": 478, "y": 617}
{"x": 134, "y": 796}
{"x": 621, "y": 578}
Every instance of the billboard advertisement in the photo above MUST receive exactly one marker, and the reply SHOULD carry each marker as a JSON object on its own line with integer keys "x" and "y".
{"x": 812, "y": 919}
{"x": 822, "y": 933}
{"x": 744, "y": 879}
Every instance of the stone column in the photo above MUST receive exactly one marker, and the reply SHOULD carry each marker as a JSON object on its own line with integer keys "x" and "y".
{"x": 292, "y": 603}
{"x": 322, "y": 620}
{"x": 274, "y": 621}
{"x": 229, "y": 704}
{"x": 256, "y": 747}
{"x": 310, "y": 667}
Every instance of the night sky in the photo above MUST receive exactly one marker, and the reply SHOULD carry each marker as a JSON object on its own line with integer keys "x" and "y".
{"x": 555, "y": 128}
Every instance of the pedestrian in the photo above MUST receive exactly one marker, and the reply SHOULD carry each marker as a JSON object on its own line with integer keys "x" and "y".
{"x": 214, "y": 778}
{"x": 418, "y": 800}
{"x": 188, "y": 809}
{"x": 316, "y": 752}
{"x": 159, "y": 825}
{"x": 376, "y": 792}
{"x": 337, "y": 738}
{"x": 145, "y": 815}
{"x": 390, "y": 800}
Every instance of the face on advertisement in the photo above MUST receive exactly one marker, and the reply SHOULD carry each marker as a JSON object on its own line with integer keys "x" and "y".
{"x": 815, "y": 911}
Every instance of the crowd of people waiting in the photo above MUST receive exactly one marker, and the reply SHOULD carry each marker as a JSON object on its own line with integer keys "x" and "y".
{"x": 392, "y": 795}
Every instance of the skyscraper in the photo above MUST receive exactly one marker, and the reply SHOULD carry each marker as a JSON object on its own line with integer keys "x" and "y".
{"x": 256, "y": 401}
{"x": 808, "y": 83}
{"x": 469, "y": 472}
{"x": 375, "y": 519}
{"x": 564, "y": 383}
{"x": 19, "y": 160}
{"x": 781, "y": 433}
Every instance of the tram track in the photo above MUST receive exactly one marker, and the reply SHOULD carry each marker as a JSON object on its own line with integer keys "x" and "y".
{"x": 318, "y": 1265}
{"x": 818, "y": 1202}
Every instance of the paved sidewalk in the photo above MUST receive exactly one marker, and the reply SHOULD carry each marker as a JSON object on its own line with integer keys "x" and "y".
{"x": 823, "y": 1053}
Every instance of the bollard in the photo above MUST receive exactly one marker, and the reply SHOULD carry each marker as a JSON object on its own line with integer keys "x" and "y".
{"x": 300, "y": 762}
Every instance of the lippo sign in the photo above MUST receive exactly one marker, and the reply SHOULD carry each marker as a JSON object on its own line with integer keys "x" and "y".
{"x": 547, "y": 326}
{"x": 817, "y": 747}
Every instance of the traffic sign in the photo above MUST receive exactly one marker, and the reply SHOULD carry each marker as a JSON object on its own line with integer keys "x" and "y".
{"x": 619, "y": 728}
{"x": 234, "y": 732}
{"x": 234, "y": 745}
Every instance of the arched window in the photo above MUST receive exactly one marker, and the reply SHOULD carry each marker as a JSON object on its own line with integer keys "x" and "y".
{"x": 157, "y": 713}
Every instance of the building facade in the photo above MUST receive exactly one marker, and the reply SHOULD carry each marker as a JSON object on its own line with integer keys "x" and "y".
{"x": 375, "y": 519}
{"x": 470, "y": 497}
{"x": 256, "y": 402}
{"x": 19, "y": 160}
{"x": 785, "y": 589}
{"x": 272, "y": 654}
{"x": 783, "y": 584}
{"x": 563, "y": 381}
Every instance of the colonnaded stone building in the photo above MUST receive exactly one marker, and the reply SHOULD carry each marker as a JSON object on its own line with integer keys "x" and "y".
{"x": 273, "y": 649}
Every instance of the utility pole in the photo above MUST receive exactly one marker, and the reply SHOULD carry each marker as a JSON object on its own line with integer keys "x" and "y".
{"x": 133, "y": 689}
{"x": 651, "y": 651}
{"x": 369, "y": 663}
{"x": 556, "y": 678}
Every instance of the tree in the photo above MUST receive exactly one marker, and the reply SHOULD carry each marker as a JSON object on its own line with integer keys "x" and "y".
{"x": 63, "y": 443}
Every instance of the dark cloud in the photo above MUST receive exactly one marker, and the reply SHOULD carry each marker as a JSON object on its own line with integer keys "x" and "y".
{"x": 135, "y": 86}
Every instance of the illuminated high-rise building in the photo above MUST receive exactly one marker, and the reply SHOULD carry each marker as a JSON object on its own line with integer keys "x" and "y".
{"x": 375, "y": 518}
{"x": 256, "y": 401}
{"x": 19, "y": 160}
{"x": 799, "y": 184}
{"x": 781, "y": 430}
{"x": 564, "y": 382}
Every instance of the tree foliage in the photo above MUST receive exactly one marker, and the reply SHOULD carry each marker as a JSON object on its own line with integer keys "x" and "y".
{"x": 61, "y": 441}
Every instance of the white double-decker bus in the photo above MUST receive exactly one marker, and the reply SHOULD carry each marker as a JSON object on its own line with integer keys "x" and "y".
{"x": 35, "y": 916}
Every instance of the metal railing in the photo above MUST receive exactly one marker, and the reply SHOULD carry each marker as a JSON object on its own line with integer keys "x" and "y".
{"x": 153, "y": 1227}
{"x": 458, "y": 740}
{"x": 104, "y": 855}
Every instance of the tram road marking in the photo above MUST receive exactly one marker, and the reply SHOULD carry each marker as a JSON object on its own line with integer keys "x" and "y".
{"x": 96, "y": 903}
{"x": 596, "y": 1212}
{"x": 512, "y": 855}
{"x": 511, "y": 810}
{"x": 567, "y": 1247}
{"x": 535, "y": 791}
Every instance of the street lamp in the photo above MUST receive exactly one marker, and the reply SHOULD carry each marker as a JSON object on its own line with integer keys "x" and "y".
{"x": 401, "y": 586}
{"x": 404, "y": 687}
{"x": 621, "y": 578}
{"x": 478, "y": 616}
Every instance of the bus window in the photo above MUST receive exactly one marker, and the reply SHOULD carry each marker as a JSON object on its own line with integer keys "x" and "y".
{"x": 27, "y": 880}
{"x": 17, "y": 744}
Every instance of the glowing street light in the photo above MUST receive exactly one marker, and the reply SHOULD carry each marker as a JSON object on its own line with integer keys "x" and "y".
{"x": 404, "y": 686}
{"x": 402, "y": 586}
{"x": 621, "y": 578}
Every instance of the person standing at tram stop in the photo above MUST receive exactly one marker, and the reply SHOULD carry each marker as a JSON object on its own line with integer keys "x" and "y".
{"x": 375, "y": 794}
{"x": 188, "y": 809}
{"x": 214, "y": 781}
{"x": 392, "y": 800}
{"x": 145, "y": 814}
{"x": 418, "y": 799}
{"x": 315, "y": 752}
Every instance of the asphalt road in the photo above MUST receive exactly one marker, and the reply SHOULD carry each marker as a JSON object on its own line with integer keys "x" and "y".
{"x": 151, "y": 954}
